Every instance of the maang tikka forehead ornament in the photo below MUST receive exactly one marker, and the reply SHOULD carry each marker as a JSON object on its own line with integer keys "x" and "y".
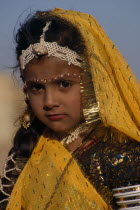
{"x": 50, "y": 49}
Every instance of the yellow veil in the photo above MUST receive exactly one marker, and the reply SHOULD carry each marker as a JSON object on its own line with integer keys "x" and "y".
{"x": 116, "y": 89}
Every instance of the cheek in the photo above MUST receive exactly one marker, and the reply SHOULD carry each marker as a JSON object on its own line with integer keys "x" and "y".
{"x": 36, "y": 103}
{"x": 74, "y": 101}
{"x": 77, "y": 104}
{"x": 76, "y": 98}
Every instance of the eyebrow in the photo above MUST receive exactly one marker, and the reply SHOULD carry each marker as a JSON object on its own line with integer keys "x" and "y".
{"x": 32, "y": 82}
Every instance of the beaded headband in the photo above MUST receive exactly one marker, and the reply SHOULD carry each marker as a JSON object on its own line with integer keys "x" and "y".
{"x": 51, "y": 49}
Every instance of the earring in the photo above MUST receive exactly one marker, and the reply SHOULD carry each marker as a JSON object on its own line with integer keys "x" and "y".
{"x": 27, "y": 117}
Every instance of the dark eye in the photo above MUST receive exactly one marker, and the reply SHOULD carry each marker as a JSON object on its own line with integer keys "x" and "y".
{"x": 35, "y": 87}
{"x": 64, "y": 84}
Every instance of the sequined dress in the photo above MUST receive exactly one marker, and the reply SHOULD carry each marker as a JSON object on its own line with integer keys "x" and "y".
{"x": 111, "y": 165}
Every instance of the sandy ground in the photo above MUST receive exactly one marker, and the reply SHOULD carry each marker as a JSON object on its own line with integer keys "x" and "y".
{"x": 11, "y": 105}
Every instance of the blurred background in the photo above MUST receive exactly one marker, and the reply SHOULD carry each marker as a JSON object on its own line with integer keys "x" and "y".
{"x": 11, "y": 105}
{"x": 120, "y": 19}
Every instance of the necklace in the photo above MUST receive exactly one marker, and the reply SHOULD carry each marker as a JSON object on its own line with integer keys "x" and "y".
{"x": 82, "y": 128}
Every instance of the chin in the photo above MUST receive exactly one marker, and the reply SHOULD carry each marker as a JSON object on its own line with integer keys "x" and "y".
{"x": 59, "y": 128}
{"x": 62, "y": 129}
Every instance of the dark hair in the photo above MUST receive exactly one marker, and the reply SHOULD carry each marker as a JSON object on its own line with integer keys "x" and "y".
{"x": 60, "y": 31}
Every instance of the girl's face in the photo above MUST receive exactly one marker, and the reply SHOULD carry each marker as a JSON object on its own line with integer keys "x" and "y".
{"x": 53, "y": 88}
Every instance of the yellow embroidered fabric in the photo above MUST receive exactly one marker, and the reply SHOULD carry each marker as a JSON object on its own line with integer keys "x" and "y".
{"x": 116, "y": 88}
{"x": 38, "y": 180}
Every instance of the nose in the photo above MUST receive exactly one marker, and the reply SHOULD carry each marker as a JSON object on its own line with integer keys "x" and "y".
{"x": 50, "y": 99}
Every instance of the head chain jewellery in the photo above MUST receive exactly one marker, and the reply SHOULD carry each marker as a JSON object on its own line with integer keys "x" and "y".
{"x": 51, "y": 49}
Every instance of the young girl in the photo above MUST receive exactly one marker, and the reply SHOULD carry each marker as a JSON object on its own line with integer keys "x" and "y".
{"x": 79, "y": 135}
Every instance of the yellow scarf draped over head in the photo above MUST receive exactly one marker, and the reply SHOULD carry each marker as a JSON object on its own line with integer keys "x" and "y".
{"x": 116, "y": 89}
{"x": 52, "y": 179}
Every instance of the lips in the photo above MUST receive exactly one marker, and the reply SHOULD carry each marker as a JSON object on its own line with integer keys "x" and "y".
{"x": 55, "y": 117}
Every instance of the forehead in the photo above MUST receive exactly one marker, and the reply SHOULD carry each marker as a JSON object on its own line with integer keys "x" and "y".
{"x": 49, "y": 67}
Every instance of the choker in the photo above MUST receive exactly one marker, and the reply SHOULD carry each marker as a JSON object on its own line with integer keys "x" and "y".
{"x": 82, "y": 128}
